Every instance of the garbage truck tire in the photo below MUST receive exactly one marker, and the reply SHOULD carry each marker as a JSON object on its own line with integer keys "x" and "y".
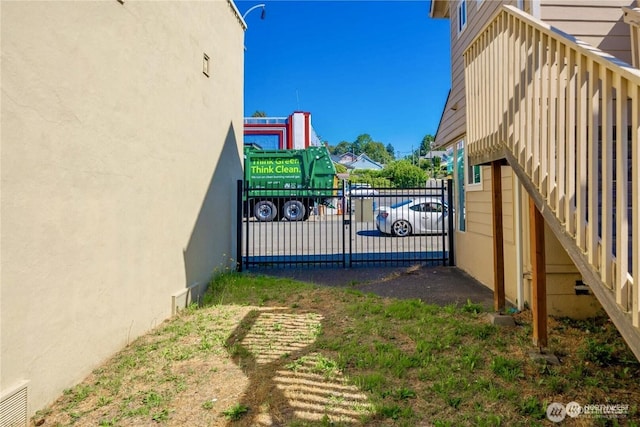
{"x": 293, "y": 210}
{"x": 265, "y": 210}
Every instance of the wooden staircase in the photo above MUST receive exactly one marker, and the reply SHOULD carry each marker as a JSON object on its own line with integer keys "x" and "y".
{"x": 565, "y": 116}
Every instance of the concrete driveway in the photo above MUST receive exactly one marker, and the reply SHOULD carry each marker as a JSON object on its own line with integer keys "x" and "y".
{"x": 431, "y": 284}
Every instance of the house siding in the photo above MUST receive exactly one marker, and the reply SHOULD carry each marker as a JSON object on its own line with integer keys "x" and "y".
{"x": 453, "y": 123}
{"x": 478, "y": 237}
{"x": 600, "y": 23}
{"x": 597, "y": 22}
{"x": 118, "y": 170}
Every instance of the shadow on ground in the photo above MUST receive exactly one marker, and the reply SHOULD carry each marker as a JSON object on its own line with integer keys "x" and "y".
{"x": 288, "y": 381}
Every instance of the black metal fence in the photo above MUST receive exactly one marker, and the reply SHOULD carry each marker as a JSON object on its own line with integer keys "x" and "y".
{"x": 355, "y": 225}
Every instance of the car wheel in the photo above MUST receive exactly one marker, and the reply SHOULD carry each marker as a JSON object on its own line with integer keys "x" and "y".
{"x": 401, "y": 228}
{"x": 264, "y": 211}
{"x": 293, "y": 210}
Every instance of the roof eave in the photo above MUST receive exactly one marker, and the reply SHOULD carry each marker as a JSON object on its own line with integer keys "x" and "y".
{"x": 439, "y": 9}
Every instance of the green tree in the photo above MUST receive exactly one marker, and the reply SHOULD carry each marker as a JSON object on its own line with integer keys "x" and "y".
{"x": 391, "y": 151}
{"x": 404, "y": 174}
{"x": 358, "y": 145}
{"x": 340, "y": 168}
{"x": 425, "y": 146}
{"x": 377, "y": 152}
{"x": 259, "y": 114}
{"x": 342, "y": 148}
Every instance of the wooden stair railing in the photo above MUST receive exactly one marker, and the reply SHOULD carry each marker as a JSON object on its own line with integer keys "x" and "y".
{"x": 566, "y": 116}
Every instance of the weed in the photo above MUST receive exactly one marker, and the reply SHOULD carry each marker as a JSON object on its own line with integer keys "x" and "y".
{"x": 208, "y": 404}
{"x": 484, "y": 331}
{"x": 454, "y": 402}
{"x": 404, "y": 309}
{"x": 373, "y": 382}
{"x": 470, "y": 358}
{"x": 556, "y": 385}
{"x": 508, "y": 369}
{"x": 235, "y": 412}
{"x": 402, "y": 393}
{"x": 390, "y": 411}
{"x": 395, "y": 412}
{"x": 325, "y": 366}
{"x": 488, "y": 420}
{"x": 597, "y": 352}
{"x": 104, "y": 400}
{"x": 152, "y": 399}
{"x": 470, "y": 307}
{"x": 532, "y": 408}
{"x": 161, "y": 416}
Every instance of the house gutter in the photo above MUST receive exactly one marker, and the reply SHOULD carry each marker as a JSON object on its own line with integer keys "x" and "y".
{"x": 235, "y": 10}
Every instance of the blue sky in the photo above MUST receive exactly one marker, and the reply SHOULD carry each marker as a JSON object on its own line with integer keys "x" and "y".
{"x": 376, "y": 67}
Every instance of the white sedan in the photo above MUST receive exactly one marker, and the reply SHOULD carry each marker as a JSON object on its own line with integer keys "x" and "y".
{"x": 422, "y": 215}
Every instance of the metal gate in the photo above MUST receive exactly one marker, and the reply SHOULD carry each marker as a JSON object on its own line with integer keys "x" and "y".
{"x": 359, "y": 225}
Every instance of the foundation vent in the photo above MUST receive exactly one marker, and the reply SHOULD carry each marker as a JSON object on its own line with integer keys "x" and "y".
{"x": 13, "y": 407}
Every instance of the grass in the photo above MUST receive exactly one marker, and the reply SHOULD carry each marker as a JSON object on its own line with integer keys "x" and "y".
{"x": 268, "y": 351}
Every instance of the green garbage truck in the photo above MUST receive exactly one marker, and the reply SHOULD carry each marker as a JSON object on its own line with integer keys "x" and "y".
{"x": 287, "y": 184}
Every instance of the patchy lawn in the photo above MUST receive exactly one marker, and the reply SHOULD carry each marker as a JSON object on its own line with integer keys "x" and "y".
{"x": 265, "y": 351}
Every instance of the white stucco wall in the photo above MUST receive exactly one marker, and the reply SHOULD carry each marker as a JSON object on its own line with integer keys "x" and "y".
{"x": 118, "y": 165}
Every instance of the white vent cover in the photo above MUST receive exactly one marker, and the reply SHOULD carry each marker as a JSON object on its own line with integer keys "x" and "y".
{"x": 13, "y": 407}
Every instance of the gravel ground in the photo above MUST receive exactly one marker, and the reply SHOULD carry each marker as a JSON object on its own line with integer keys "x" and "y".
{"x": 431, "y": 284}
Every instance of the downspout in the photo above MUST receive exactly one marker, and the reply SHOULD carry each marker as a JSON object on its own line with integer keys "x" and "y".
{"x": 535, "y": 9}
{"x": 518, "y": 242}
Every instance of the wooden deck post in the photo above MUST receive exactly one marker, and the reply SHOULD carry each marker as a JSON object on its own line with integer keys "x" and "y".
{"x": 538, "y": 276}
{"x": 498, "y": 241}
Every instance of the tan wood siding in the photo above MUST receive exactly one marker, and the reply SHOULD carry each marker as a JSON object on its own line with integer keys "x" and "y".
{"x": 453, "y": 123}
{"x": 596, "y": 22}
{"x": 508, "y": 206}
{"x": 599, "y": 23}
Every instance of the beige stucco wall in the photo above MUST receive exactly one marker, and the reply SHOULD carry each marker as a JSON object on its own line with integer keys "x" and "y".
{"x": 118, "y": 165}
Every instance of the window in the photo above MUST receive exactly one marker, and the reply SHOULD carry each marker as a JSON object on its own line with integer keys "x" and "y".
{"x": 460, "y": 181}
{"x": 462, "y": 15}
{"x": 205, "y": 65}
{"x": 427, "y": 207}
{"x": 473, "y": 178}
{"x": 479, "y": 2}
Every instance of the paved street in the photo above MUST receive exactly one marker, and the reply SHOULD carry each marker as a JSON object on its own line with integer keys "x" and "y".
{"x": 329, "y": 237}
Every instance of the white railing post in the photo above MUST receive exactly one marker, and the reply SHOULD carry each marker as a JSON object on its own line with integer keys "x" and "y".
{"x": 622, "y": 193}
{"x": 635, "y": 203}
{"x": 606, "y": 179}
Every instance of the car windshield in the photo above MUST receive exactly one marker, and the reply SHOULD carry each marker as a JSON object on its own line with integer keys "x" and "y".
{"x": 402, "y": 203}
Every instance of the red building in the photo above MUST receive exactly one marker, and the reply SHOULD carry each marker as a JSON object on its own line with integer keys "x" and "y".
{"x": 281, "y": 133}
